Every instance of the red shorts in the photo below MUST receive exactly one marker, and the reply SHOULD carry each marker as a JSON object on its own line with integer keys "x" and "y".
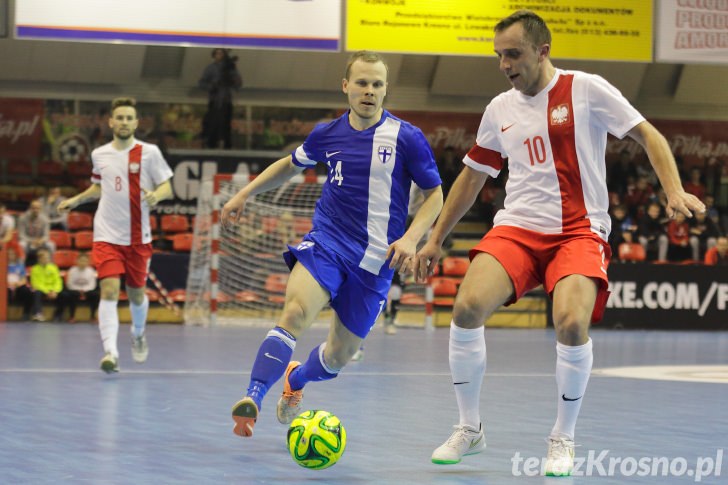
{"x": 116, "y": 260}
{"x": 531, "y": 259}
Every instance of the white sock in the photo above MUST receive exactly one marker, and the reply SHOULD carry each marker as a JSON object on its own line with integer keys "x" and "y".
{"x": 139, "y": 317}
{"x": 467, "y": 366}
{"x": 109, "y": 325}
{"x": 573, "y": 366}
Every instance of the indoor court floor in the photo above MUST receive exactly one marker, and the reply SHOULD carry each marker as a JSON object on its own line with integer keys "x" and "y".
{"x": 168, "y": 421}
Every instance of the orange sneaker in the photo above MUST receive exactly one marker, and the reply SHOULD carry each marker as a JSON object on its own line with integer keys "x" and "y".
{"x": 289, "y": 405}
{"x": 245, "y": 414}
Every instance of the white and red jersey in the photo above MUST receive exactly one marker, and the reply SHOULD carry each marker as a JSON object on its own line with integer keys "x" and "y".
{"x": 555, "y": 143}
{"x": 122, "y": 216}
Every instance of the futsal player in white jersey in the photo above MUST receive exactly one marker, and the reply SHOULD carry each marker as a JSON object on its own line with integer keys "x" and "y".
{"x": 358, "y": 238}
{"x": 128, "y": 177}
{"x": 552, "y": 127}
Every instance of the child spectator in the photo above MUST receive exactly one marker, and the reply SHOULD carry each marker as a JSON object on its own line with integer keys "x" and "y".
{"x": 80, "y": 286}
{"x": 623, "y": 228}
{"x": 18, "y": 290}
{"x": 678, "y": 235}
{"x": 45, "y": 279}
{"x": 718, "y": 254}
{"x": 704, "y": 234}
{"x": 651, "y": 233}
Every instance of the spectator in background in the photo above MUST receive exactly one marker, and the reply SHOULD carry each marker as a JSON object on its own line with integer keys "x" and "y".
{"x": 651, "y": 233}
{"x": 638, "y": 196}
{"x": 704, "y": 234}
{"x": 621, "y": 172}
{"x": 50, "y": 209}
{"x": 713, "y": 168}
{"x": 7, "y": 225}
{"x": 623, "y": 228}
{"x": 219, "y": 79}
{"x": 718, "y": 254}
{"x": 449, "y": 166}
{"x": 34, "y": 232}
{"x": 678, "y": 236}
{"x": 695, "y": 185}
{"x": 46, "y": 282}
{"x": 81, "y": 285}
{"x": 17, "y": 280}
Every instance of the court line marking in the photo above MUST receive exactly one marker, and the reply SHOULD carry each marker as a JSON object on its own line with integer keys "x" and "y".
{"x": 714, "y": 374}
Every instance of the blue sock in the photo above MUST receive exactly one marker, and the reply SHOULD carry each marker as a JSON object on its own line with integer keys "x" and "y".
{"x": 270, "y": 364}
{"x": 314, "y": 369}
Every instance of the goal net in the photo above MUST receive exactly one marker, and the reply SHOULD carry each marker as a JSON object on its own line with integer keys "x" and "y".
{"x": 238, "y": 275}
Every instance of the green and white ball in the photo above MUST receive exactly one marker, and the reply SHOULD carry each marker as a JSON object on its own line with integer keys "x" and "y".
{"x": 316, "y": 439}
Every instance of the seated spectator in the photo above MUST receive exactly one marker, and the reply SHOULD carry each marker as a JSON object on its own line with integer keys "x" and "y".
{"x": 18, "y": 290}
{"x": 623, "y": 228}
{"x": 81, "y": 285}
{"x": 651, "y": 233}
{"x": 46, "y": 282}
{"x": 638, "y": 196}
{"x": 718, "y": 254}
{"x": 704, "y": 233}
{"x": 695, "y": 185}
{"x": 59, "y": 221}
{"x": 678, "y": 235}
{"x": 7, "y": 226}
{"x": 34, "y": 232}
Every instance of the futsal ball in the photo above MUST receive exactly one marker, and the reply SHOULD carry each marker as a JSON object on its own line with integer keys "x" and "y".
{"x": 316, "y": 439}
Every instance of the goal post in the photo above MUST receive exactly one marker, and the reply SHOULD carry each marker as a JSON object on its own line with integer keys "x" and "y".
{"x": 237, "y": 276}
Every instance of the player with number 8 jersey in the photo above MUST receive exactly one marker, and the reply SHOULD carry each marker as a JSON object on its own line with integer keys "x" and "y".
{"x": 128, "y": 178}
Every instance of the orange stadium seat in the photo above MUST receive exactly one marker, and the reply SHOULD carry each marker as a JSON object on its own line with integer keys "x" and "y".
{"x": 83, "y": 239}
{"x": 455, "y": 266}
{"x": 65, "y": 258}
{"x": 62, "y": 239}
{"x": 172, "y": 223}
{"x": 80, "y": 220}
{"x": 631, "y": 252}
{"x": 182, "y": 242}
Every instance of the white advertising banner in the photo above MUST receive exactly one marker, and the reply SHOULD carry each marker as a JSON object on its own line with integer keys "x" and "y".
{"x": 267, "y": 24}
{"x": 692, "y": 31}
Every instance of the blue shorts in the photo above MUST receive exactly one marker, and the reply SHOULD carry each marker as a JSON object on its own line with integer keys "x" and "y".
{"x": 357, "y": 296}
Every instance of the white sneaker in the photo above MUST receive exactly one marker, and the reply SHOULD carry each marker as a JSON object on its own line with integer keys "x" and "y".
{"x": 560, "y": 457}
{"x": 464, "y": 441}
{"x": 109, "y": 363}
{"x": 139, "y": 349}
{"x": 358, "y": 355}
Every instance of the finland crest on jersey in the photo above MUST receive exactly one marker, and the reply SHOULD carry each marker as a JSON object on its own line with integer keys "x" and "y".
{"x": 363, "y": 204}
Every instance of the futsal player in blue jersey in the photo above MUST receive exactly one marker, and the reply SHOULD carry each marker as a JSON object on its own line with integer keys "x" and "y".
{"x": 358, "y": 238}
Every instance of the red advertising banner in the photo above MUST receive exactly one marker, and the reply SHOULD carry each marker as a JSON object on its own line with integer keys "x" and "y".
{"x": 21, "y": 127}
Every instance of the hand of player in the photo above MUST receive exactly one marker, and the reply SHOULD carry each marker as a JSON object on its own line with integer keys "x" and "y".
{"x": 426, "y": 260}
{"x": 402, "y": 252}
{"x": 150, "y": 197}
{"x": 232, "y": 211}
{"x": 683, "y": 202}
{"x": 66, "y": 206}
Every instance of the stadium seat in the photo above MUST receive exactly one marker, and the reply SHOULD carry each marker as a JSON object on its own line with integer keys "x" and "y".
{"x": 276, "y": 282}
{"x": 62, "y": 239}
{"x": 633, "y": 252}
{"x": 178, "y": 295}
{"x": 19, "y": 172}
{"x": 83, "y": 239}
{"x": 413, "y": 299}
{"x": 172, "y": 223}
{"x": 302, "y": 225}
{"x": 50, "y": 172}
{"x": 182, "y": 242}
{"x": 455, "y": 266}
{"x": 65, "y": 258}
{"x": 80, "y": 220}
{"x": 444, "y": 289}
{"x": 152, "y": 295}
{"x": 247, "y": 296}
{"x": 153, "y": 222}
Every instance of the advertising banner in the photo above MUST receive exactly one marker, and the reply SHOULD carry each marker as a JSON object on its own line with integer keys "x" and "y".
{"x": 21, "y": 127}
{"x": 272, "y": 24}
{"x": 667, "y": 296}
{"x": 692, "y": 31}
{"x": 616, "y": 30}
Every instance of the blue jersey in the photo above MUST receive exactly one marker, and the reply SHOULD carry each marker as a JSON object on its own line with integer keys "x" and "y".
{"x": 363, "y": 205}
